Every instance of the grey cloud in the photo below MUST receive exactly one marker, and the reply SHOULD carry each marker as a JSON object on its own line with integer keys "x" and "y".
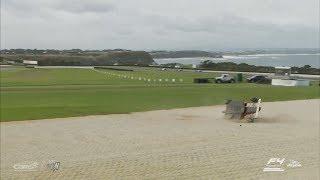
{"x": 76, "y": 6}
{"x": 72, "y": 6}
{"x": 146, "y": 24}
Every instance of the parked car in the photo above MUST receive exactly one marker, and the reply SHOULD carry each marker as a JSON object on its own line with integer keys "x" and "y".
{"x": 259, "y": 79}
{"x": 225, "y": 78}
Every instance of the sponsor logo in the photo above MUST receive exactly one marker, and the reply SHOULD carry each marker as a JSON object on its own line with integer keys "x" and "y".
{"x": 26, "y": 166}
{"x": 293, "y": 164}
{"x": 277, "y": 165}
{"x": 53, "y": 165}
{"x": 34, "y": 166}
{"x": 274, "y": 164}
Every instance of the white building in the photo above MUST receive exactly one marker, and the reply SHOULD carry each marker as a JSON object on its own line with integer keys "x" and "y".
{"x": 282, "y": 71}
{"x": 282, "y": 78}
{"x": 29, "y": 62}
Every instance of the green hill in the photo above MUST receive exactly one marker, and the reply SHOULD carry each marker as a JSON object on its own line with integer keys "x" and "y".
{"x": 85, "y": 59}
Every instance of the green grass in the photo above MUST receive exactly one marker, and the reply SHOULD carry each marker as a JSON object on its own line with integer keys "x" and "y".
{"x": 50, "y": 93}
{"x": 53, "y": 77}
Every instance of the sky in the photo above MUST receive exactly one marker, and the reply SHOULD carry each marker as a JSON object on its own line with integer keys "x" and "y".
{"x": 159, "y": 24}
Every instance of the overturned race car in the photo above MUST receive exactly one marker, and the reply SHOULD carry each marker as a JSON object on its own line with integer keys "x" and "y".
{"x": 243, "y": 110}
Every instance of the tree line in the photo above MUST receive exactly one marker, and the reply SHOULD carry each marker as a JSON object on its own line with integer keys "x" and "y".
{"x": 106, "y": 58}
{"x": 243, "y": 67}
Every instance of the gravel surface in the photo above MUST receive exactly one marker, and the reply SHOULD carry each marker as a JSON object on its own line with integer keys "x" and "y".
{"x": 189, "y": 143}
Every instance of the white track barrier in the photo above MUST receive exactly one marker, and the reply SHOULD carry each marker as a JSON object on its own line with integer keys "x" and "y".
{"x": 139, "y": 78}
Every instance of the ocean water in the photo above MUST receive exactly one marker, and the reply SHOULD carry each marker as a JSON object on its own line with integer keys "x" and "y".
{"x": 298, "y": 60}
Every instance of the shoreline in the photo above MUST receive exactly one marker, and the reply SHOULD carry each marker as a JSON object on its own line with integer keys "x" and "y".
{"x": 251, "y": 59}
